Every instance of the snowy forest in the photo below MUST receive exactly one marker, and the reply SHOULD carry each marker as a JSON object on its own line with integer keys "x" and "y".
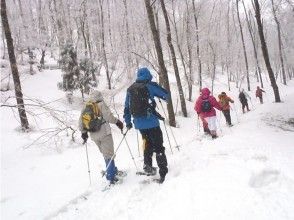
{"x": 54, "y": 53}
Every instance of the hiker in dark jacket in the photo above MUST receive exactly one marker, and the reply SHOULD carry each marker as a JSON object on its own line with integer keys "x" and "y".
{"x": 243, "y": 99}
{"x": 140, "y": 105}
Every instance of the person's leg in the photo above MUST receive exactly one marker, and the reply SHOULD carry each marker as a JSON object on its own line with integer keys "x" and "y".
{"x": 261, "y": 100}
{"x": 148, "y": 150}
{"x": 247, "y": 106}
{"x": 243, "y": 107}
{"x": 205, "y": 126}
{"x": 212, "y": 126}
{"x": 227, "y": 116}
{"x": 156, "y": 140}
{"x": 106, "y": 148}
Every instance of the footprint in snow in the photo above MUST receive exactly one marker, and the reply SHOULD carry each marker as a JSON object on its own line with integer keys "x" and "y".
{"x": 264, "y": 178}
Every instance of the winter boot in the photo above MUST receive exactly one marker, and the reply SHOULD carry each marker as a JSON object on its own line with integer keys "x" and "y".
{"x": 214, "y": 136}
{"x": 206, "y": 131}
{"x": 149, "y": 170}
{"x": 115, "y": 180}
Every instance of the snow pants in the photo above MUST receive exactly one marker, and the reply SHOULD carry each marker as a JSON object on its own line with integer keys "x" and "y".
{"x": 227, "y": 116}
{"x": 105, "y": 145}
{"x": 154, "y": 143}
{"x": 245, "y": 104}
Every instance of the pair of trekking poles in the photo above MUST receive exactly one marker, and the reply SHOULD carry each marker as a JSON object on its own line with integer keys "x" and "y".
{"x": 112, "y": 158}
{"x": 124, "y": 138}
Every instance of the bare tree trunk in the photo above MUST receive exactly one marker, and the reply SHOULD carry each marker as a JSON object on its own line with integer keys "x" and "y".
{"x": 174, "y": 59}
{"x": 163, "y": 70}
{"x": 243, "y": 44}
{"x": 250, "y": 29}
{"x": 228, "y": 53}
{"x": 17, "y": 86}
{"x": 198, "y": 46}
{"x": 190, "y": 58}
{"x": 103, "y": 45}
{"x": 128, "y": 41}
{"x": 265, "y": 52}
{"x": 3, "y": 42}
{"x": 280, "y": 43}
{"x": 179, "y": 47}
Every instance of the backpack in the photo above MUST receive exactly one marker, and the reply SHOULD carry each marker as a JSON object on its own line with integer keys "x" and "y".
{"x": 92, "y": 118}
{"x": 206, "y": 105}
{"x": 139, "y": 99}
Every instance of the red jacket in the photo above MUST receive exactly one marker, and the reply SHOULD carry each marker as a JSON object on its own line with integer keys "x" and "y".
{"x": 205, "y": 94}
{"x": 259, "y": 92}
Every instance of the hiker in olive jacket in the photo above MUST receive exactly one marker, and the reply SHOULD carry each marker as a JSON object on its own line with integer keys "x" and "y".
{"x": 103, "y": 137}
{"x": 224, "y": 102}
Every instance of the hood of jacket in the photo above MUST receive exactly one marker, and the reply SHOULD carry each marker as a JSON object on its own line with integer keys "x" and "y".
{"x": 96, "y": 96}
{"x": 205, "y": 92}
{"x": 143, "y": 74}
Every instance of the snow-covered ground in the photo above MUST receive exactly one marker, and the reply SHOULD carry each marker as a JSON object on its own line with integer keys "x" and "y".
{"x": 247, "y": 173}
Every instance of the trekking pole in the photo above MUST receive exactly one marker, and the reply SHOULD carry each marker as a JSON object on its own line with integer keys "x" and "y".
{"x": 111, "y": 159}
{"x": 198, "y": 124}
{"x": 138, "y": 144}
{"x": 131, "y": 153}
{"x": 89, "y": 172}
{"x": 177, "y": 146}
{"x": 168, "y": 138}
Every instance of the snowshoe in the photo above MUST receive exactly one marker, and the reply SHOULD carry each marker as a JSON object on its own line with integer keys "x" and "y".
{"x": 147, "y": 171}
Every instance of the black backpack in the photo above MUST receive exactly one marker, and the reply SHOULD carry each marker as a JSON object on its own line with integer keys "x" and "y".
{"x": 205, "y": 105}
{"x": 139, "y": 99}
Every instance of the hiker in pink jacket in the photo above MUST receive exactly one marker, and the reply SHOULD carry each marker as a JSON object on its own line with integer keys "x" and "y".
{"x": 204, "y": 107}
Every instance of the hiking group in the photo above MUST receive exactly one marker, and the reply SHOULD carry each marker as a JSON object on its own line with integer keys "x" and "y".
{"x": 140, "y": 110}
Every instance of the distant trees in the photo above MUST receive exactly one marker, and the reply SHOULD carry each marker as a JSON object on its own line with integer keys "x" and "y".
{"x": 197, "y": 40}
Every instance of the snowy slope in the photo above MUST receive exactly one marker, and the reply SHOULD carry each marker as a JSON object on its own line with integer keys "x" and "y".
{"x": 247, "y": 173}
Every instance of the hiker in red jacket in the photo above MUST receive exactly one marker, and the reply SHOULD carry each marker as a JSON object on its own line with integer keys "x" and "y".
{"x": 258, "y": 94}
{"x": 204, "y": 107}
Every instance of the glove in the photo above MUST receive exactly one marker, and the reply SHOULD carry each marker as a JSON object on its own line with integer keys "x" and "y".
{"x": 129, "y": 126}
{"x": 85, "y": 137}
{"x": 119, "y": 124}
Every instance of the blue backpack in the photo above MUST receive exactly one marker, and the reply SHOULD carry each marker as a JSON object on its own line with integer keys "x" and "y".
{"x": 206, "y": 105}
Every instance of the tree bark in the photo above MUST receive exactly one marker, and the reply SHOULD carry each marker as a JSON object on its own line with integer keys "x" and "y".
{"x": 103, "y": 45}
{"x": 197, "y": 47}
{"x": 265, "y": 52}
{"x": 174, "y": 59}
{"x": 279, "y": 43}
{"x": 17, "y": 86}
{"x": 163, "y": 70}
{"x": 250, "y": 29}
{"x": 244, "y": 47}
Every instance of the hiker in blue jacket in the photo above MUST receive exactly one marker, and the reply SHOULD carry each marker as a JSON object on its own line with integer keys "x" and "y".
{"x": 140, "y": 105}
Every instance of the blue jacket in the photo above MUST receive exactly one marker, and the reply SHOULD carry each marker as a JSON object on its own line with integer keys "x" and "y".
{"x": 149, "y": 121}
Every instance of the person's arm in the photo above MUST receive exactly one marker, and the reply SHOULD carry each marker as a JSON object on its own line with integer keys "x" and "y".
{"x": 230, "y": 100}
{"x": 107, "y": 114}
{"x": 215, "y": 104}
{"x": 158, "y": 91}
{"x": 127, "y": 114}
{"x": 197, "y": 107}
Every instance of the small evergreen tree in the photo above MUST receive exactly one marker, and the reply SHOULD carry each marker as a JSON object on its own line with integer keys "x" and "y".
{"x": 87, "y": 75}
{"x": 76, "y": 76}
